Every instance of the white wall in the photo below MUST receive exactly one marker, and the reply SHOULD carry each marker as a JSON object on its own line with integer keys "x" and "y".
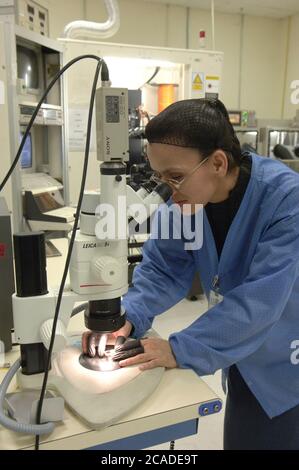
{"x": 141, "y": 23}
{"x": 62, "y": 12}
{"x": 176, "y": 27}
{"x": 262, "y": 67}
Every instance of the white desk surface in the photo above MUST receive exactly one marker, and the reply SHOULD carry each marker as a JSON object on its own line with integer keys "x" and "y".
{"x": 176, "y": 399}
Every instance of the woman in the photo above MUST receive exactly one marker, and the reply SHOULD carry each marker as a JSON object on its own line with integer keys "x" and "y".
{"x": 249, "y": 267}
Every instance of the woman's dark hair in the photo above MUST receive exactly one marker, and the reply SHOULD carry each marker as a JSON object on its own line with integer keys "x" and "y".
{"x": 198, "y": 123}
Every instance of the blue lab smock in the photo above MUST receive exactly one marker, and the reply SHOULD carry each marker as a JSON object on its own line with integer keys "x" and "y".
{"x": 256, "y": 325}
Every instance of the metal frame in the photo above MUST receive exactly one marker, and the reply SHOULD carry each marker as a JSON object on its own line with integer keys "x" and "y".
{"x": 244, "y": 130}
{"x": 11, "y": 33}
{"x": 269, "y": 130}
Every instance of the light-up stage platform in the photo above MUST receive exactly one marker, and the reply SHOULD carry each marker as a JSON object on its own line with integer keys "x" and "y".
{"x": 99, "y": 364}
{"x": 98, "y": 397}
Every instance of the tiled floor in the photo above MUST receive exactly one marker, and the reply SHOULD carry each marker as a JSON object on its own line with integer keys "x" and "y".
{"x": 210, "y": 435}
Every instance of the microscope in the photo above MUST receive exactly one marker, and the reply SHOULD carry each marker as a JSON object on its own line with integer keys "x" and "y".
{"x": 90, "y": 381}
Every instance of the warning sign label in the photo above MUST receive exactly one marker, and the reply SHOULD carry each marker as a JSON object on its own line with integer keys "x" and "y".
{"x": 198, "y": 81}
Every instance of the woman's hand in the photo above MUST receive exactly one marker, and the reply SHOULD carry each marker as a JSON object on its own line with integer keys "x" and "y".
{"x": 124, "y": 331}
{"x": 157, "y": 353}
{"x": 93, "y": 342}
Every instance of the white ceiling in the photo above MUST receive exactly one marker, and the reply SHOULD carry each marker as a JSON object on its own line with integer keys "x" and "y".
{"x": 270, "y": 8}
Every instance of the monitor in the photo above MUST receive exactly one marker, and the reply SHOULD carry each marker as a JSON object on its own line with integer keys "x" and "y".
{"x": 26, "y": 156}
{"x": 28, "y": 67}
{"x": 235, "y": 118}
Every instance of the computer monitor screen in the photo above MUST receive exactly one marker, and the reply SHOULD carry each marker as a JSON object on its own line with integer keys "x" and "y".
{"x": 27, "y": 60}
{"x": 26, "y": 156}
{"x": 235, "y": 118}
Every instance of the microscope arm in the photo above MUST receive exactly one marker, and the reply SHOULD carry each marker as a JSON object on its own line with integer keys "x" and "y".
{"x": 35, "y": 326}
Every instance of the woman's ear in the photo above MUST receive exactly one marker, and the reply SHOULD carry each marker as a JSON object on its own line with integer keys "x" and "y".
{"x": 220, "y": 163}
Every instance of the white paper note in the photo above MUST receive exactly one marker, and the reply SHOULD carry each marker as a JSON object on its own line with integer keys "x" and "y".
{"x": 78, "y": 117}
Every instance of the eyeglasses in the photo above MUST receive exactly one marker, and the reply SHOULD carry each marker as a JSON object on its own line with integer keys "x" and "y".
{"x": 177, "y": 183}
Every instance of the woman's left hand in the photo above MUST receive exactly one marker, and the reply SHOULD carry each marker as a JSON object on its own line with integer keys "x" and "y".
{"x": 157, "y": 353}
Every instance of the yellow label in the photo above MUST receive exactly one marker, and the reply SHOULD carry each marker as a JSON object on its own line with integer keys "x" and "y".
{"x": 197, "y": 79}
{"x": 197, "y": 83}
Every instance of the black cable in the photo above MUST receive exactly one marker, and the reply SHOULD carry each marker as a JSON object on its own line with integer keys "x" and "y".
{"x": 71, "y": 244}
{"x": 57, "y": 76}
{"x": 104, "y": 72}
{"x": 157, "y": 69}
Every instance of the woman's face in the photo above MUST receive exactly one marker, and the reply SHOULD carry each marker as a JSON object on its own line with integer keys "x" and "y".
{"x": 200, "y": 187}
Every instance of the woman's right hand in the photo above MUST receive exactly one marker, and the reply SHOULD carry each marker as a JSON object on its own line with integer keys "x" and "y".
{"x": 91, "y": 341}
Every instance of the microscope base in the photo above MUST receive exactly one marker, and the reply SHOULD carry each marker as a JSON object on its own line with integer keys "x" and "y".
{"x": 98, "y": 398}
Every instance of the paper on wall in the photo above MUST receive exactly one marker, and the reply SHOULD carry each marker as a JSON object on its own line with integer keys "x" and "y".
{"x": 78, "y": 117}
